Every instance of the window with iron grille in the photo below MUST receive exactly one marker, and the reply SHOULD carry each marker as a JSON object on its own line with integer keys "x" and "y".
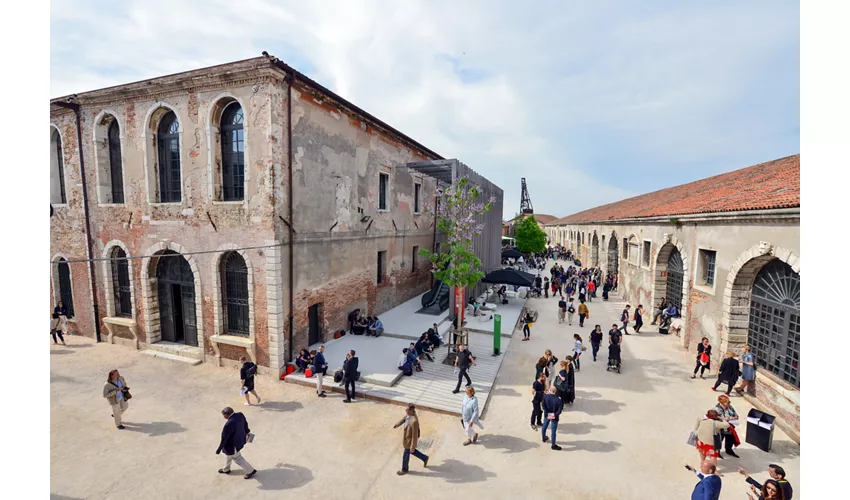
{"x": 417, "y": 188}
{"x": 414, "y": 259}
{"x": 57, "y": 184}
{"x": 383, "y": 184}
{"x": 625, "y": 248}
{"x": 235, "y": 290}
{"x": 647, "y": 248}
{"x": 707, "y": 260}
{"x": 116, "y": 173}
{"x": 66, "y": 295}
{"x": 233, "y": 153}
{"x": 168, "y": 145}
{"x": 382, "y": 262}
{"x": 774, "y": 324}
{"x": 121, "y": 283}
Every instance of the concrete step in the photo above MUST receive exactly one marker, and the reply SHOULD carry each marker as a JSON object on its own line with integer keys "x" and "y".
{"x": 171, "y": 357}
{"x": 176, "y": 349}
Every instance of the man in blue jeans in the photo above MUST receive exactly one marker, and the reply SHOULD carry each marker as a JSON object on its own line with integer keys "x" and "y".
{"x": 410, "y": 439}
{"x": 552, "y": 407}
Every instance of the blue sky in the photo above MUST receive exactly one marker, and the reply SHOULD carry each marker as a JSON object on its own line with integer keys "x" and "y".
{"x": 591, "y": 102}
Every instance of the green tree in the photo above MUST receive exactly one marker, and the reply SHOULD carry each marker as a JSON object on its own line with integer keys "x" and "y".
{"x": 529, "y": 237}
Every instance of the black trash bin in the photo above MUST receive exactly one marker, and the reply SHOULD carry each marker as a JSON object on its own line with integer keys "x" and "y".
{"x": 760, "y": 427}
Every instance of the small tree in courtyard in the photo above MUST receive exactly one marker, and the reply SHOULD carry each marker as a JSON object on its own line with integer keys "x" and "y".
{"x": 529, "y": 237}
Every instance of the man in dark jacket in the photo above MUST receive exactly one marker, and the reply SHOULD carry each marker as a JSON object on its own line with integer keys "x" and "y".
{"x": 552, "y": 408}
{"x": 320, "y": 368}
{"x": 776, "y": 473}
{"x": 246, "y": 373}
{"x": 462, "y": 361}
{"x": 234, "y": 435}
{"x": 538, "y": 388}
{"x": 349, "y": 376}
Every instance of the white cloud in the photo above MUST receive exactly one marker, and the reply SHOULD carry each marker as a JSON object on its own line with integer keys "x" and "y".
{"x": 591, "y": 102}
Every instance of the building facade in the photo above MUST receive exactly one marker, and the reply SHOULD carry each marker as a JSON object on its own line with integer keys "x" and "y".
{"x": 237, "y": 209}
{"x": 726, "y": 250}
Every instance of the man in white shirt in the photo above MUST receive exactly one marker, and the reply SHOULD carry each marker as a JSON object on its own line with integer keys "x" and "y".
{"x": 402, "y": 359}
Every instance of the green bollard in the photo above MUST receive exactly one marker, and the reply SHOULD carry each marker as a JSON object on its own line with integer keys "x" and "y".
{"x": 497, "y": 333}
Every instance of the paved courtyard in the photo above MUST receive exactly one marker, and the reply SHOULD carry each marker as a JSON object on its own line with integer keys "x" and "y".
{"x": 624, "y": 438}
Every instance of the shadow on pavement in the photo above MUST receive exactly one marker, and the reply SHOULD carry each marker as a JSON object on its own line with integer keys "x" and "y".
{"x": 592, "y": 446}
{"x": 54, "y": 496}
{"x": 455, "y": 471}
{"x": 283, "y": 477}
{"x": 79, "y": 346}
{"x": 577, "y": 428}
{"x": 281, "y": 406}
{"x": 594, "y": 406}
{"x": 55, "y": 377}
{"x": 511, "y": 444}
{"x": 505, "y": 391}
{"x": 61, "y": 351}
{"x": 154, "y": 429}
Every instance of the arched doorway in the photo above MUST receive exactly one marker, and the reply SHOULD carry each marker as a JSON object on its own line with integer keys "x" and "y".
{"x": 176, "y": 296}
{"x": 594, "y": 251}
{"x": 675, "y": 278}
{"x": 774, "y": 326}
{"x": 613, "y": 255}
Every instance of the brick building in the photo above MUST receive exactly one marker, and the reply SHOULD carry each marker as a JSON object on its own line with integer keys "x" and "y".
{"x": 726, "y": 249}
{"x": 235, "y": 209}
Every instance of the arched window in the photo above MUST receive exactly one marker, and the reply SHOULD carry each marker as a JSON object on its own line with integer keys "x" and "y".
{"x": 234, "y": 290}
{"x": 116, "y": 173}
{"x": 57, "y": 169}
{"x": 774, "y": 326}
{"x": 232, "y": 153}
{"x": 168, "y": 149}
{"x": 66, "y": 295}
{"x": 121, "y": 283}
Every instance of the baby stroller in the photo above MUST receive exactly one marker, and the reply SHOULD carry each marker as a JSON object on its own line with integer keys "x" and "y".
{"x": 614, "y": 361}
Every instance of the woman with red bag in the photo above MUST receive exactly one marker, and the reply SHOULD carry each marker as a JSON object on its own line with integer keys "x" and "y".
{"x": 727, "y": 437}
{"x": 703, "y": 358}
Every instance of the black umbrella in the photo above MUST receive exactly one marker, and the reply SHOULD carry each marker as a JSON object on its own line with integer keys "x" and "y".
{"x": 509, "y": 277}
{"x": 511, "y": 253}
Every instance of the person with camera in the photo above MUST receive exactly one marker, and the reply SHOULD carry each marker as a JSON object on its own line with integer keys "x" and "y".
{"x": 117, "y": 394}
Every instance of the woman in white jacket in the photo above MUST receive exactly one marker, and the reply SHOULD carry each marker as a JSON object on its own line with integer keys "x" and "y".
{"x": 469, "y": 410}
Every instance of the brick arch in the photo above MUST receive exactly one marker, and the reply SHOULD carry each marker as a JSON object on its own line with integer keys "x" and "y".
{"x": 107, "y": 274}
{"x": 660, "y": 279}
{"x": 149, "y": 292}
{"x": 218, "y": 316}
{"x": 739, "y": 287}
{"x": 54, "y": 278}
{"x": 594, "y": 250}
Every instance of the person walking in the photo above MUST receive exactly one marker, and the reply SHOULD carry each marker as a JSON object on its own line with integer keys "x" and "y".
{"x": 57, "y": 326}
{"x": 591, "y": 290}
{"x": 552, "y": 408}
{"x": 246, "y": 373}
{"x": 706, "y": 428}
{"x": 410, "y": 439}
{"x": 60, "y": 309}
{"x": 538, "y": 389}
{"x": 748, "y": 370}
{"x": 571, "y": 310}
{"x": 562, "y": 310}
{"x": 728, "y": 373}
{"x": 320, "y": 368}
{"x": 606, "y": 287}
{"x": 527, "y": 320}
{"x": 709, "y": 485}
{"x": 577, "y": 349}
{"x": 469, "y": 411}
{"x": 583, "y": 313}
{"x": 462, "y": 361}
{"x": 117, "y": 393}
{"x": 624, "y": 319}
{"x": 596, "y": 340}
{"x": 234, "y": 435}
{"x": 638, "y": 318}
{"x": 570, "y": 388}
{"x": 728, "y": 437}
{"x": 349, "y": 376}
{"x": 703, "y": 358}
{"x": 776, "y": 473}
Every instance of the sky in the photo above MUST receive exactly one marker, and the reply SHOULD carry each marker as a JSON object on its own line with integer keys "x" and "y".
{"x": 591, "y": 102}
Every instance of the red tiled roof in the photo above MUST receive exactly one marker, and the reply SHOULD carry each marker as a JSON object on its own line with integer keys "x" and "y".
{"x": 540, "y": 218}
{"x": 774, "y": 184}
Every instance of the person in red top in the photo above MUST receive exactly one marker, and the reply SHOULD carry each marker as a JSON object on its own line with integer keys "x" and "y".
{"x": 591, "y": 290}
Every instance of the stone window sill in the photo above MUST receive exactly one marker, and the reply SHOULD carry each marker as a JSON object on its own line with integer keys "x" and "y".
{"x": 234, "y": 340}
{"x": 708, "y": 290}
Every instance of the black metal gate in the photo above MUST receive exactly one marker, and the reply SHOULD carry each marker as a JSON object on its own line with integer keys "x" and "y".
{"x": 176, "y": 290}
{"x": 65, "y": 293}
{"x": 774, "y": 327}
{"x": 675, "y": 278}
{"x": 237, "y": 305}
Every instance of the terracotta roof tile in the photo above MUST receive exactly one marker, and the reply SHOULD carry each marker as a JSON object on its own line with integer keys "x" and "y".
{"x": 774, "y": 184}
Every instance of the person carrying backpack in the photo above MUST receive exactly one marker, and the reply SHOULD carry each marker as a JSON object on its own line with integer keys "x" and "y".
{"x": 246, "y": 373}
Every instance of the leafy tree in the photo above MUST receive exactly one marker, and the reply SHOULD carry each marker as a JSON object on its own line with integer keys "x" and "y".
{"x": 529, "y": 237}
{"x": 454, "y": 263}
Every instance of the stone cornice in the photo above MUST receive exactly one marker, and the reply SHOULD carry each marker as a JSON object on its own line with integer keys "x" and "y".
{"x": 784, "y": 215}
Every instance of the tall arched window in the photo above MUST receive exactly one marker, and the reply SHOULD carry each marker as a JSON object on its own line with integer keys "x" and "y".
{"x": 121, "y": 283}
{"x": 168, "y": 148}
{"x": 116, "y": 173}
{"x": 232, "y": 153}
{"x": 234, "y": 289}
{"x": 57, "y": 169}
{"x": 66, "y": 295}
{"x": 774, "y": 326}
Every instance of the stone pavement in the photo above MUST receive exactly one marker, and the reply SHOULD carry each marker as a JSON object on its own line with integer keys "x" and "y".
{"x": 623, "y": 439}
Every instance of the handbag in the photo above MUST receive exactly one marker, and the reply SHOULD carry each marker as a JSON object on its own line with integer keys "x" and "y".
{"x": 703, "y": 358}
{"x": 692, "y": 438}
{"x": 583, "y": 347}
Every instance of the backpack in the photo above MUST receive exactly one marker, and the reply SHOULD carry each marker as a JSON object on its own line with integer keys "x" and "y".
{"x": 407, "y": 369}
{"x": 338, "y": 376}
{"x": 572, "y": 309}
{"x": 251, "y": 371}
